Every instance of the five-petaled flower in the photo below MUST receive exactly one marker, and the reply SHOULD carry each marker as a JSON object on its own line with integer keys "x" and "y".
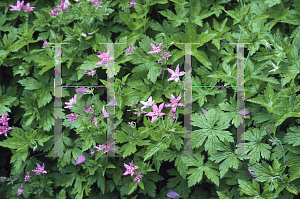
{"x": 130, "y": 168}
{"x": 104, "y": 58}
{"x": 156, "y": 112}
{"x": 64, "y": 5}
{"x": 132, "y": 3}
{"x": 160, "y": 61}
{"x": 72, "y": 102}
{"x": 72, "y": 117}
{"x": 88, "y": 109}
{"x": 39, "y": 169}
{"x": 165, "y": 55}
{"x": 20, "y": 190}
{"x": 4, "y": 121}
{"x": 155, "y": 49}
{"x": 175, "y": 75}
{"x": 91, "y": 72}
{"x": 172, "y": 115}
{"x": 17, "y": 7}
{"x": 27, "y": 177}
{"x": 137, "y": 178}
{"x": 148, "y": 103}
{"x": 174, "y": 103}
{"x": 27, "y": 8}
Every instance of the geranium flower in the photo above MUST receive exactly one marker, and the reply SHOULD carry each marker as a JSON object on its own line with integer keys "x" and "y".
{"x": 132, "y": 3}
{"x": 97, "y": 4}
{"x": 137, "y": 178}
{"x": 104, "y": 58}
{"x": 4, "y": 129}
{"x": 92, "y": 72}
{"x": 172, "y": 194}
{"x": 20, "y": 190}
{"x": 64, "y": 5}
{"x": 156, "y": 112}
{"x": 72, "y": 117}
{"x": 174, "y": 103}
{"x": 160, "y": 61}
{"x": 108, "y": 147}
{"x": 105, "y": 114}
{"x": 17, "y": 7}
{"x": 80, "y": 160}
{"x": 53, "y": 12}
{"x": 155, "y": 49}
{"x": 112, "y": 103}
{"x": 39, "y": 169}
{"x": 129, "y": 50}
{"x": 175, "y": 75}
{"x": 27, "y": 8}
{"x": 172, "y": 115}
{"x": 45, "y": 42}
{"x": 148, "y": 103}
{"x": 12, "y": 180}
{"x": 4, "y": 119}
{"x": 72, "y": 102}
{"x": 88, "y": 109}
{"x": 94, "y": 120}
{"x": 27, "y": 177}
{"x": 165, "y": 55}
{"x": 138, "y": 113}
{"x": 251, "y": 173}
{"x": 82, "y": 90}
{"x": 243, "y": 112}
{"x": 130, "y": 168}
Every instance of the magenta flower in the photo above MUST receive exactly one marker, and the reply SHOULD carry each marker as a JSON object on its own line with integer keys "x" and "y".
{"x": 53, "y": 12}
{"x": 82, "y": 90}
{"x": 132, "y": 3}
{"x": 108, "y": 147}
{"x": 130, "y": 168}
{"x": 172, "y": 115}
{"x": 104, "y": 58}
{"x": 72, "y": 117}
{"x": 4, "y": 119}
{"x": 80, "y": 160}
{"x": 17, "y": 7}
{"x": 148, "y": 103}
{"x": 175, "y": 75}
{"x": 138, "y": 113}
{"x": 64, "y": 5}
{"x": 27, "y": 177}
{"x": 129, "y": 50}
{"x": 165, "y": 55}
{"x": 160, "y": 61}
{"x": 20, "y": 190}
{"x": 88, "y": 109}
{"x": 92, "y": 72}
{"x": 156, "y": 112}
{"x": 72, "y": 102}
{"x": 39, "y": 169}
{"x": 251, "y": 173}
{"x": 137, "y": 178}
{"x": 243, "y": 112}
{"x": 204, "y": 112}
{"x": 4, "y": 129}
{"x": 97, "y": 4}
{"x": 105, "y": 114}
{"x": 174, "y": 103}
{"x": 27, "y": 8}
{"x": 44, "y": 44}
{"x": 172, "y": 194}
{"x": 94, "y": 120}
{"x": 131, "y": 124}
{"x": 155, "y": 49}
{"x": 92, "y": 151}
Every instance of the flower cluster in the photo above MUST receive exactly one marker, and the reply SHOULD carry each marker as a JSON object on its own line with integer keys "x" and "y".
{"x": 4, "y": 122}
{"x": 130, "y": 170}
{"x": 19, "y": 5}
{"x": 63, "y": 6}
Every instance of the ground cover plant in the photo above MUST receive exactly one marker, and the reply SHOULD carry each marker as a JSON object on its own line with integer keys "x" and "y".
{"x": 149, "y": 99}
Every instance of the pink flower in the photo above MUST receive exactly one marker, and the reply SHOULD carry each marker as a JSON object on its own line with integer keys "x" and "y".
{"x": 165, "y": 55}
{"x": 97, "y": 4}
{"x": 137, "y": 178}
{"x": 155, "y": 49}
{"x": 112, "y": 103}
{"x": 148, "y": 103}
{"x": 57, "y": 35}
{"x": 204, "y": 112}
{"x": 132, "y": 3}
{"x": 172, "y": 194}
{"x": 175, "y": 75}
{"x": 108, "y": 147}
{"x": 243, "y": 112}
{"x": 131, "y": 124}
{"x": 27, "y": 177}
{"x": 104, "y": 58}
{"x": 89, "y": 33}
{"x": 72, "y": 117}
{"x": 4, "y": 129}
{"x": 4, "y": 119}
{"x": 174, "y": 103}
{"x": 72, "y": 102}
{"x": 156, "y": 112}
{"x": 53, "y": 12}
{"x": 138, "y": 111}
{"x": 82, "y": 90}
{"x": 88, "y": 109}
{"x": 105, "y": 114}
{"x": 129, "y": 50}
{"x": 17, "y": 7}
{"x": 80, "y": 160}
{"x": 44, "y": 44}
{"x": 94, "y": 120}
{"x": 39, "y": 169}
{"x": 251, "y": 173}
{"x": 160, "y": 72}
{"x": 20, "y": 190}
{"x": 160, "y": 61}
{"x": 93, "y": 71}
{"x": 172, "y": 115}
{"x": 130, "y": 168}
{"x": 27, "y": 8}
{"x": 12, "y": 180}
{"x": 92, "y": 151}
{"x": 64, "y": 5}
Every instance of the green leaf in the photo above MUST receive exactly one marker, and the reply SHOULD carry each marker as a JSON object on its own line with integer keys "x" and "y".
{"x": 293, "y": 136}
{"x": 178, "y": 19}
{"x": 251, "y": 189}
{"x": 152, "y": 149}
{"x": 271, "y": 3}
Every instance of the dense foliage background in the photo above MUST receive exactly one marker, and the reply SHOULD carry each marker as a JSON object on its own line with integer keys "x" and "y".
{"x": 272, "y": 87}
